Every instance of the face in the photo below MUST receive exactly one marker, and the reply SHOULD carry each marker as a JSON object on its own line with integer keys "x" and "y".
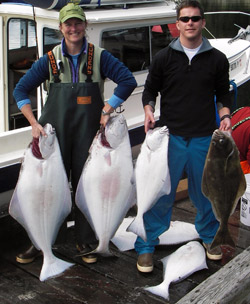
{"x": 191, "y": 30}
{"x": 73, "y": 30}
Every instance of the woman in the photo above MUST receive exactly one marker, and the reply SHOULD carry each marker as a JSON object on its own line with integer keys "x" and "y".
{"x": 75, "y": 71}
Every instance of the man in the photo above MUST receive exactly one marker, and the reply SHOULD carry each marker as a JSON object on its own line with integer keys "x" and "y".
{"x": 187, "y": 74}
{"x": 75, "y": 106}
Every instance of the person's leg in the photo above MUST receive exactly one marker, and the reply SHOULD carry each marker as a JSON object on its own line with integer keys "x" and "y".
{"x": 157, "y": 219}
{"x": 205, "y": 222}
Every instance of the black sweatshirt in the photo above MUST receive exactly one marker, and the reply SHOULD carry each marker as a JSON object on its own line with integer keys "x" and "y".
{"x": 187, "y": 89}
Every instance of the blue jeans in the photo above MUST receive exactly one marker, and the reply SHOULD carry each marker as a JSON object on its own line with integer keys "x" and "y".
{"x": 189, "y": 155}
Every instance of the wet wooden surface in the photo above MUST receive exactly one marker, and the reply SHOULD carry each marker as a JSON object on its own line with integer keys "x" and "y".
{"x": 110, "y": 280}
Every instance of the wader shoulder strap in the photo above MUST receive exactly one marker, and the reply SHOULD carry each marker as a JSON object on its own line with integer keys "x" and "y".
{"x": 53, "y": 65}
{"x": 90, "y": 59}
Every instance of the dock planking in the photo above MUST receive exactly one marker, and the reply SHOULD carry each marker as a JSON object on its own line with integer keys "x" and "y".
{"x": 112, "y": 279}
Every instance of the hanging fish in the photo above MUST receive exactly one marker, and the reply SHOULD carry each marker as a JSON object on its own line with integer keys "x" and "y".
{"x": 42, "y": 200}
{"x": 223, "y": 182}
{"x": 106, "y": 185}
{"x": 152, "y": 176}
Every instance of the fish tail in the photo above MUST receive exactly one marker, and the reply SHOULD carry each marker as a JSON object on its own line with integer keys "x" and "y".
{"x": 53, "y": 267}
{"x": 103, "y": 250}
{"x": 222, "y": 237}
{"x": 137, "y": 227}
{"x": 159, "y": 290}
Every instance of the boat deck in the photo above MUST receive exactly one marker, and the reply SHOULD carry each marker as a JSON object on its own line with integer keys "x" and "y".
{"x": 114, "y": 279}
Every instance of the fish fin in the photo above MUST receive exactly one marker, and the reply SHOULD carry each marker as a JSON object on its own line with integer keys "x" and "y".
{"x": 159, "y": 290}
{"x": 53, "y": 267}
{"x": 137, "y": 227}
{"x": 222, "y": 237}
{"x": 102, "y": 250}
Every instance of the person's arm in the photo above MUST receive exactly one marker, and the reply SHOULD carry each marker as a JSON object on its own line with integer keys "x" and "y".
{"x": 37, "y": 129}
{"x": 225, "y": 117}
{"x": 115, "y": 70}
{"x": 150, "y": 93}
{"x": 149, "y": 121}
{"x": 223, "y": 97}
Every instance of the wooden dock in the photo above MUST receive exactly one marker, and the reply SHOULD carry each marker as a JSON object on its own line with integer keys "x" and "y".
{"x": 116, "y": 279}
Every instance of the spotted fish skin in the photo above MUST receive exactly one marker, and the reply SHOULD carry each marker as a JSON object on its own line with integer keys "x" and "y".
{"x": 223, "y": 182}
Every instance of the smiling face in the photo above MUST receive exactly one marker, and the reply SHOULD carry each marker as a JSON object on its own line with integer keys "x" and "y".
{"x": 191, "y": 31}
{"x": 73, "y": 31}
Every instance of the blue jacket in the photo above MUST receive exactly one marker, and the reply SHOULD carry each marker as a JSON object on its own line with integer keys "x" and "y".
{"x": 110, "y": 67}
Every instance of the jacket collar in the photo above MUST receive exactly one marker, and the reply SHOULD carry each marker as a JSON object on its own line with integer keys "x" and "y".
{"x": 64, "y": 50}
{"x": 206, "y": 46}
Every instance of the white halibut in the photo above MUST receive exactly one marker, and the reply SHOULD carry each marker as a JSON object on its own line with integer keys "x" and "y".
{"x": 42, "y": 200}
{"x": 178, "y": 233}
{"x": 106, "y": 184}
{"x": 152, "y": 176}
{"x": 179, "y": 265}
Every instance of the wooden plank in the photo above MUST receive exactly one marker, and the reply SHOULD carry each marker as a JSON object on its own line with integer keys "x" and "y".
{"x": 229, "y": 285}
{"x": 109, "y": 280}
{"x": 17, "y": 286}
{"x": 115, "y": 279}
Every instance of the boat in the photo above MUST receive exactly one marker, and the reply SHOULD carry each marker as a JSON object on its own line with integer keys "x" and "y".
{"x": 58, "y": 4}
{"x": 133, "y": 31}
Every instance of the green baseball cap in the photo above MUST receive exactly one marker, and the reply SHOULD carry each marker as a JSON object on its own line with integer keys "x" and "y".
{"x": 71, "y": 10}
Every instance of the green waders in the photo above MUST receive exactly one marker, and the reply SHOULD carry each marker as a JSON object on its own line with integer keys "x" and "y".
{"x": 74, "y": 110}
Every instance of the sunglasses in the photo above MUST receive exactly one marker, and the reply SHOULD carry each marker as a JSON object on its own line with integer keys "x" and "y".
{"x": 193, "y": 18}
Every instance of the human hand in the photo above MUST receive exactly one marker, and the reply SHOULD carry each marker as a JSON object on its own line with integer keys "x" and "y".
{"x": 225, "y": 125}
{"x": 104, "y": 120}
{"x": 37, "y": 129}
{"x": 149, "y": 121}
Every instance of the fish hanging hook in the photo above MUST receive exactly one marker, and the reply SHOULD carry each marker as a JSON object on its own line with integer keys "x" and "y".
{"x": 120, "y": 110}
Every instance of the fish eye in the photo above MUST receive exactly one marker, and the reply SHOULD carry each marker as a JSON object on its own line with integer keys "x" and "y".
{"x": 221, "y": 140}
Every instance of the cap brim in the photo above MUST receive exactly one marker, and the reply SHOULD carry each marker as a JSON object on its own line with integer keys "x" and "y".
{"x": 72, "y": 16}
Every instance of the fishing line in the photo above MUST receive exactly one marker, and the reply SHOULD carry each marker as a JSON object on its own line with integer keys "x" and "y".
{"x": 37, "y": 53}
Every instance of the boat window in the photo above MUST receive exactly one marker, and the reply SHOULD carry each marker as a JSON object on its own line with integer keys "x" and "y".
{"x": 131, "y": 46}
{"x": 21, "y": 55}
{"x": 162, "y": 35}
{"x": 135, "y": 47}
{"x": 51, "y": 38}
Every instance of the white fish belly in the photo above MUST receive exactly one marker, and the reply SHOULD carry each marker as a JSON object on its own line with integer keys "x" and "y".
{"x": 42, "y": 198}
{"x": 104, "y": 189}
{"x": 152, "y": 178}
{"x": 182, "y": 263}
{"x": 152, "y": 181}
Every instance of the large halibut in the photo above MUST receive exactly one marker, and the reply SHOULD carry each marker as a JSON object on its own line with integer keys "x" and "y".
{"x": 106, "y": 184}
{"x": 179, "y": 265}
{"x": 42, "y": 200}
{"x": 223, "y": 182}
{"x": 152, "y": 176}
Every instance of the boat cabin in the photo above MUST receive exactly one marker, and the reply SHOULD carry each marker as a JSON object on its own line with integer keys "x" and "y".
{"x": 131, "y": 30}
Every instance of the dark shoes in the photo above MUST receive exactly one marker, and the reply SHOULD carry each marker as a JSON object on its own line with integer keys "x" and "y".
{"x": 145, "y": 262}
{"x": 29, "y": 255}
{"x": 87, "y": 258}
{"x": 213, "y": 254}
